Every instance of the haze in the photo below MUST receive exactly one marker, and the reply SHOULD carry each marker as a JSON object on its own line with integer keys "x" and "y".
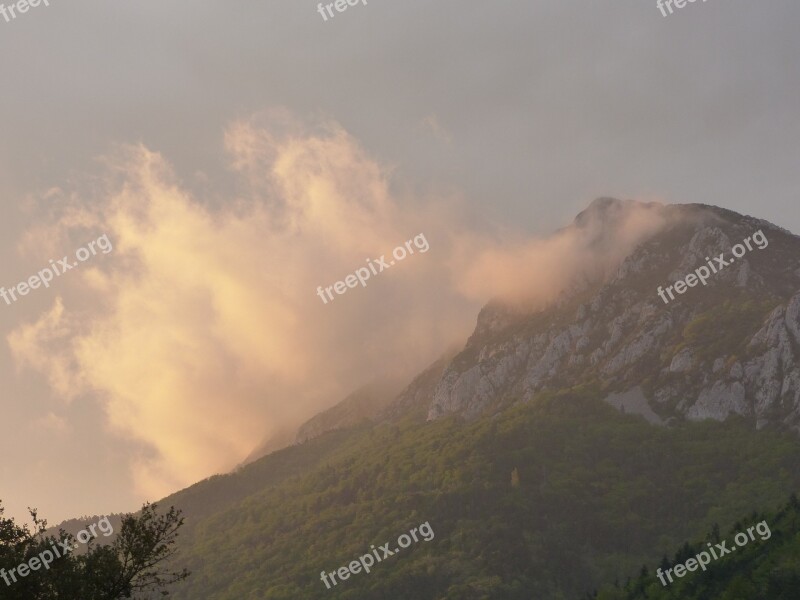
{"x": 238, "y": 155}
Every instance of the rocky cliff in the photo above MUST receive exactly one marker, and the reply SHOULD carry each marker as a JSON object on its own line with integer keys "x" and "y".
{"x": 728, "y": 347}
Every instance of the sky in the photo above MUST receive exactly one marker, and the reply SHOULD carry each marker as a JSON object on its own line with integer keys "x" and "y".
{"x": 238, "y": 155}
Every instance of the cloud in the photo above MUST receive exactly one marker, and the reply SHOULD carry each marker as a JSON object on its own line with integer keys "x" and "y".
{"x": 532, "y": 273}
{"x": 51, "y": 424}
{"x": 202, "y": 334}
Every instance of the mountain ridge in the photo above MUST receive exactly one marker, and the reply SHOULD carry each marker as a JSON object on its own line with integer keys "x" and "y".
{"x": 514, "y": 352}
{"x": 619, "y": 332}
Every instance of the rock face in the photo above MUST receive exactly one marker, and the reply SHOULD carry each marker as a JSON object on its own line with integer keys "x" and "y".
{"x": 729, "y": 347}
{"x": 414, "y": 400}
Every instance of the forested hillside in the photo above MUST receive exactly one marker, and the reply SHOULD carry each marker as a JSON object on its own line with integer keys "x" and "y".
{"x": 767, "y": 567}
{"x": 551, "y": 499}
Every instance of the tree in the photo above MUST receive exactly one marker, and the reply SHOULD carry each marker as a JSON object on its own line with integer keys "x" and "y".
{"x": 133, "y": 563}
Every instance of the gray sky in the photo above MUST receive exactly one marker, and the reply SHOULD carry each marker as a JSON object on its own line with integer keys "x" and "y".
{"x": 513, "y": 115}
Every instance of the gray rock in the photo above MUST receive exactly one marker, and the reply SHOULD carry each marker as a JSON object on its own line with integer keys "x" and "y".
{"x": 683, "y": 361}
{"x": 719, "y": 401}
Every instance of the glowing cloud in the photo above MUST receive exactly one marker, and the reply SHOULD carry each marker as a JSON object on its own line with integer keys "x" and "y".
{"x": 202, "y": 334}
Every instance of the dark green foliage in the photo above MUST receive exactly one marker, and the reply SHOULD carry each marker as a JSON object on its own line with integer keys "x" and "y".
{"x": 130, "y": 567}
{"x": 599, "y": 493}
{"x": 764, "y": 568}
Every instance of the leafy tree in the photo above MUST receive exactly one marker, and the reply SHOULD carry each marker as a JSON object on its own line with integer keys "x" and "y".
{"x": 131, "y": 566}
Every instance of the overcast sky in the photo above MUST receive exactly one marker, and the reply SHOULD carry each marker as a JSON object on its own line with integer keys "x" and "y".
{"x": 238, "y": 154}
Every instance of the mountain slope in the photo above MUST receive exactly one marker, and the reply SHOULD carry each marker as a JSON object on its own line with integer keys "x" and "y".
{"x": 765, "y": 567}
{"x": 534, "y": 485}
{"x": 598, "y": 493}
{"x": 730, "y": 347}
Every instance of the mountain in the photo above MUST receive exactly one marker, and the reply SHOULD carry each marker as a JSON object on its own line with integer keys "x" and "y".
{"x": 561, "y": 448}
{"x": 727, "y": 347}
{"x": 549, "y": 499}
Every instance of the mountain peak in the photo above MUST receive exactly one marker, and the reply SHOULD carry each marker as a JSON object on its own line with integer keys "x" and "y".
{"x": 728, "y": 346}
{"x": 604, "y": 209}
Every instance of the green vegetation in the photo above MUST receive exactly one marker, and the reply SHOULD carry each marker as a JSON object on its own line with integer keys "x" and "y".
{"x": 767, "y": 568}
{"x": 546, "y": 500}
{"x": 133, "y": 563}
{"x": 724, "y": 329}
